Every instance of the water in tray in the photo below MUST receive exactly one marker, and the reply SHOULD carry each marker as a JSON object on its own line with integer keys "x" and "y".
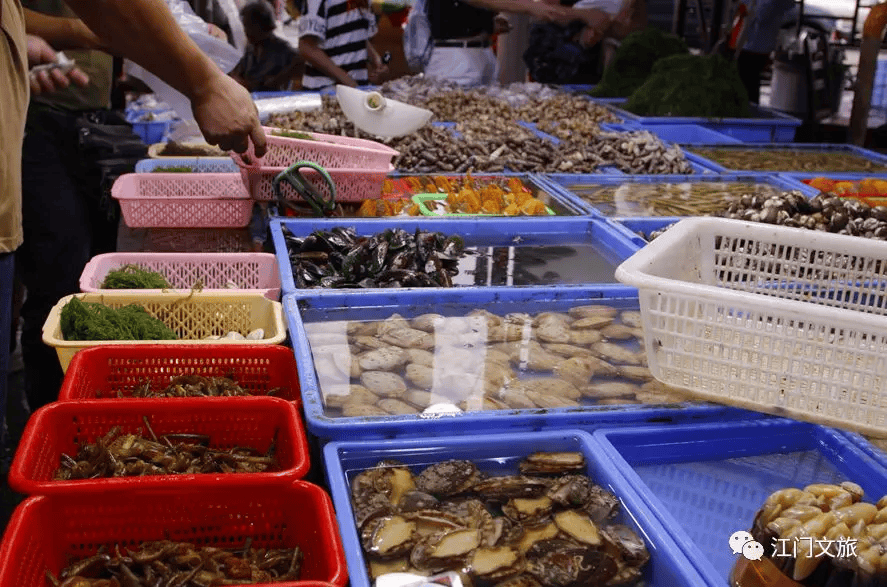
{"x": 588, "y": 355}
{"x": 713, "y": 499}
{"x": 534, "y": 265}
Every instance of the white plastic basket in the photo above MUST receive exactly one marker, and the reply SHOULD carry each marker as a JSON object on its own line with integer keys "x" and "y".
{"x": 780, "y": 320}
{"x": 233, "y": 272}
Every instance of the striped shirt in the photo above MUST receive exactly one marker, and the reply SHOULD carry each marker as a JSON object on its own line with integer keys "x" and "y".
{"x": 343, "y": 36}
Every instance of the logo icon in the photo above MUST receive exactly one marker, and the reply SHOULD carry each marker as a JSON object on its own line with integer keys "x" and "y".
{"x": 743, "y": 543}
{"x": 753, "y": 550}
{"x": 738, "y": 539}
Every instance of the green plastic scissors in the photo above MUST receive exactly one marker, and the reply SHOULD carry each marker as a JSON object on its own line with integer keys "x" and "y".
{"x": 322, "y": 204}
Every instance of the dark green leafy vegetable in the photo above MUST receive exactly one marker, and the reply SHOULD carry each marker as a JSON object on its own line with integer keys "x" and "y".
{"x": 134, "y": 277}
{"x": 173, "y": 169}
{"x": 93, "y": 321}
{"x": 692, "y": 85}
{"x": 634, "y": 59}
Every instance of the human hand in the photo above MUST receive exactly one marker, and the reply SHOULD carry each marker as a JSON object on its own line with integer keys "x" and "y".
{"x": 43, "y": 81}
{"x": 216, "y": 32}
{"x": 227, "y": 116}
{"x": 501, "y": 24}
{"x": 545, "y": 11}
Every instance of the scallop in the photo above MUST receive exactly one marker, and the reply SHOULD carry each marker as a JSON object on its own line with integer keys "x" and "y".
{"x": 408, "y": 338}
{"x": 421, "y": 376}
{"x": 383, "y": 383}
{"x": 383, "y": 359}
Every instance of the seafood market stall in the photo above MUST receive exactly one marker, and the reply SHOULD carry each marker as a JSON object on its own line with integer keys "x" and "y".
{"x": 437, "y": 373}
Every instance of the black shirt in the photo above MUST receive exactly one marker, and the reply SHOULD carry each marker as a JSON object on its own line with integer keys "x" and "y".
{"x": 454, "y": 19}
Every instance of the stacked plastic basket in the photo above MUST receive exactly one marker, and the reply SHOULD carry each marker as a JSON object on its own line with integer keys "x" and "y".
{"x": 607, "y": 398}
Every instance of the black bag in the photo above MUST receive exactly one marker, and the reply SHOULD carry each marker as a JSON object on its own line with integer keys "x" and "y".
{"x": 554, "y": 57}
{"x": 109, "y": 148}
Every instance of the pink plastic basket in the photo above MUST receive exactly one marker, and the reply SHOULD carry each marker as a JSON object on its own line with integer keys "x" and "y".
{"x": 238, "y": 272}
{"x": 183, "y": 200}
{"x": 352, "y": 185}
{"x": 330, "y": 151}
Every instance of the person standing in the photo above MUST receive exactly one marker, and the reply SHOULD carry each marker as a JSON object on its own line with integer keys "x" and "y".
{"x": 143, "y": 30}
{"x": 269, "y": 63}
{"x": 462, "y": 31}
{"x": 335, "y": 41}
{"x": 758, "y": 40}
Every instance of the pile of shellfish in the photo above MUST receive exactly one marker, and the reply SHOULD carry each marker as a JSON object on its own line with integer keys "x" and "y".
{"x": 588, "y": 354}
{"x": 801, "y": 528}
{"x": 547, "y": 525}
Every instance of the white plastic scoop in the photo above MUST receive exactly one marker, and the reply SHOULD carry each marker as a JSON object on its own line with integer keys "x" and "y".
{"x": 377, "y": 115}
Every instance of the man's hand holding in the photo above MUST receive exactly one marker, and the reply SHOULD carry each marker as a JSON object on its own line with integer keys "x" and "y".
{"x": 43, "y": 81}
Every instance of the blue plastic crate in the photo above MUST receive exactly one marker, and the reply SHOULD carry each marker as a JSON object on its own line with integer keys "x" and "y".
{"x": 197, "y": 164}
{"x": 566, "y": 180}
{"x": 606, "y": 248}
{"x": 870, "y": 449}
{"x": 497, "y": 455}
{"x": 706, "y": 481}
{"x": 640, "y": 227}
{"x": 683, "y": 134}
{"x": 320, "y": 311}
{"x": 153, "y": 132}
{"x": 765, "y": 126}
{"x": 876, "y": 158}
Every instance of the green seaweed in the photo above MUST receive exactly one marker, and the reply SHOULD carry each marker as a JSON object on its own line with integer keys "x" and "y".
{"x": 634, "y": 59}
{"x": 173, "y": 169}
{"x": 93, "y": 321}
{"x": 134, "y": 277}
{"x": 692, "y": 85}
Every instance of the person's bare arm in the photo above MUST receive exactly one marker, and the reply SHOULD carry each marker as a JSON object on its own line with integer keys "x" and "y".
{"x": 146, "y": 32}
{"x": 61, "y": 33}
{"x": 309, "y": 47}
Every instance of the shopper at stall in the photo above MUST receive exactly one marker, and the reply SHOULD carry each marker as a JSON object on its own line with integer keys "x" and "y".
{"x": 462, "y": 32}
{"x": 335, "y": 41}
{"x": 756, "y": 34}
{"x": 569, "y": 50}
{"x": 269, "y": 63}
{"x": 144, "y": 31}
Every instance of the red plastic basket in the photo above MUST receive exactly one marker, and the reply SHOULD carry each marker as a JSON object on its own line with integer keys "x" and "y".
{"x": 352, "y": 185}
{"x": 47, "y": 533}
{"x": 253, "y": 422}
{"x": 330, "y": 151}
{"x": 183, "y": 200}
{"x": 99, "y": 372}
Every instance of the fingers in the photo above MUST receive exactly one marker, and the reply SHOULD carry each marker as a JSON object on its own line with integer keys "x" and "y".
{"x": 59, "y": 79}
{"x": 260, "y": 143}
{"x": 78, "y": 78}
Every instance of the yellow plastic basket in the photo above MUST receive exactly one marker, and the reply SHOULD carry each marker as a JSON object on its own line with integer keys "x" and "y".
{"x": 192, "y": 316}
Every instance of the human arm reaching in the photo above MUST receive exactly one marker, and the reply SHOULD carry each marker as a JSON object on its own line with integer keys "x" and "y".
{"x": 145, "y": 32}
{"x": 61, "y": 33}
{"x": 309, "y": 47}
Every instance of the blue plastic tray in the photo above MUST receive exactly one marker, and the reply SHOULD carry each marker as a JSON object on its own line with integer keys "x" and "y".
{"x": 497, "y": 455}
{"x": 872, "y": 450}
{"x": 801, "y": 147}
{"x": 684, "y": 134}
{"x": 644, "y": 225}
{"x": 198, "y": 164}
{"x": 565, "y": 180}
{"x": 706, "y": 481}
{"x": 300, "y": 310}
{"x": 611, "y": 246}
{"x": 766, "y": 125}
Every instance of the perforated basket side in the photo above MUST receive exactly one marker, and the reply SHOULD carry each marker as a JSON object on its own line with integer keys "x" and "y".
{"x": 172, "y": 200}
{"x": 225, "y": 271}
{"x": 46, "y": 533}
{"x": 193, "y": 317}
{"x": 108, "y": 371}
{"x": 352, "y": 185}
{"x": 324, "y": 149}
